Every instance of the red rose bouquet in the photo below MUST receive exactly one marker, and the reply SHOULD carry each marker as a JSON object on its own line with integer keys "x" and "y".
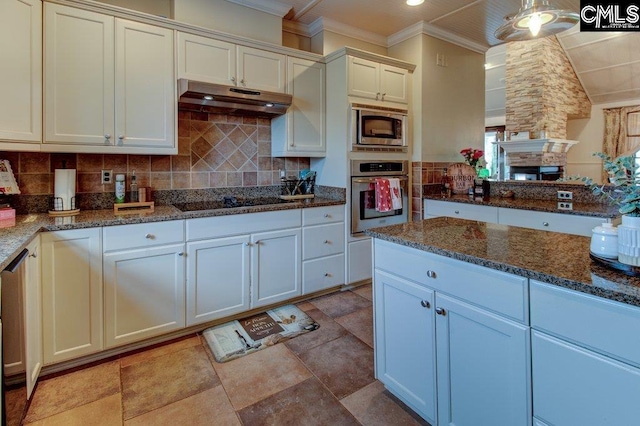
{"x": 472, "y": 156}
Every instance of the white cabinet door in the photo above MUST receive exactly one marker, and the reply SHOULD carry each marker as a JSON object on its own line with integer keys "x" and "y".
{"x": 261, "y": 70}
{"x": 33, "y": 315}
{"x": 301, "y": 131}
{"x": 217, "y": 278}
{"x": 144, "y": 293}
{"x": 394, "y": 85}
{"x": 575, "y": 386}
{"x": 145, "y": 86}
{"x": 71, "y": 293}
{"x": 79, "y": 76}
{"x": 21, "y": 74}
{"x": 205, "y": 59}
{"x": 484, "y": 367}
{"x": 364, "y": 78}
{"x": 405, "y": 341}
{"x": 275, "y": 269}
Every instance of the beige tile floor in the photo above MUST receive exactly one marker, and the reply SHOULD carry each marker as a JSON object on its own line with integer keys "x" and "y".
{"x": 320, "y": 378}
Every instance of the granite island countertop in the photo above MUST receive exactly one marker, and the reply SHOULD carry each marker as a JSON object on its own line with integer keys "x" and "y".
{"x": 14, "y": 239}
{"x": 551, "y": 206}
{"x": 551, "y": 257}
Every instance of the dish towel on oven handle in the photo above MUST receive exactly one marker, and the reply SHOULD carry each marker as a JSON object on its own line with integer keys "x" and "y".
{"x": 396, "y": 193}
{"x": 383, "y": 195}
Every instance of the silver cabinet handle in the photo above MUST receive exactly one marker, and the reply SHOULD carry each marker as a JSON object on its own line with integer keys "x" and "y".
{"x": 441, "y": 311}
{"x": 425, "y": 304}
{"x": 149, "y": 236}
{"x": 431, "y": 274}
{"x": 545, "y": 223}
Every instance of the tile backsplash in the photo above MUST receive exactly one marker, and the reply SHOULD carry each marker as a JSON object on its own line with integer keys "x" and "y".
{"x": 214, "y": 151}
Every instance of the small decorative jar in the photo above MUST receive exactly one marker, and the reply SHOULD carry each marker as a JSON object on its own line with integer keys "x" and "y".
{"x": 629, "y": 240}
{"x": 604, "y": 241}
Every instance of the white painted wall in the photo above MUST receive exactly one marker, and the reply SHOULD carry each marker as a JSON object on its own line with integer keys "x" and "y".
{"x": 589, "y": 132}
{"x": 328, "y": 41}
{"x": 231, "y": 18}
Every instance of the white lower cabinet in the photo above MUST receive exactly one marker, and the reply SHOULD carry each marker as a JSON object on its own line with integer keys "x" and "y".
{"x": 454, "y": 361}
{"x": 33, "y": 315}
{"x": 586, "y": 358}
{"x": 483, "y": 366}
{"x": 72, "y": 316}
{"x": 406, "y": 341}
{"x": 143, "y": 288}
{"x": 218, "y": 278}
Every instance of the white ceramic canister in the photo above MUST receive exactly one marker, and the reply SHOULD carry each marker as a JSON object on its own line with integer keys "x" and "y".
{"x": 629, "y": 240}
{"x": 604, "y": 241}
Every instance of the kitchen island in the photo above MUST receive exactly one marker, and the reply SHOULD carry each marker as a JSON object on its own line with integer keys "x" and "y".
{"x": 481, "y": 323}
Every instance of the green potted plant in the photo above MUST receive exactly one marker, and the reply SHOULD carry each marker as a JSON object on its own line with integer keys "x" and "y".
{"x": 624, "y": 193}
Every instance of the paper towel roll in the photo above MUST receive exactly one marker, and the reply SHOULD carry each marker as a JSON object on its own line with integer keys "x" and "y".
{"x": 64, "y": 188}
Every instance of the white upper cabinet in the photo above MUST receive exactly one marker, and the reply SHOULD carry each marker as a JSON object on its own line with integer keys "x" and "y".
{"x": 109, "y": 84}
{"x": 206, "y": 60}
{"x": 214, "y": 61}
{"x": 301, "y": 131}
{"x": 21, "y": 75}
{"x": 380, "y": 82}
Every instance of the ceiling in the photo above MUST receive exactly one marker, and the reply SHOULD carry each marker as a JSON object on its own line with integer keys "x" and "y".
{"x": 608, "y": 64}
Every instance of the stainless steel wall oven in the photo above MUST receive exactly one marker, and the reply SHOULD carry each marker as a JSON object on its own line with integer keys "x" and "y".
{"x": 363, "y": 177}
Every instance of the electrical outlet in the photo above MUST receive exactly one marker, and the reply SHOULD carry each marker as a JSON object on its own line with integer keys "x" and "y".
{"x": 565, "y": 195}
{"x": 107, "y": 176}
{"x": 565, "y": 205}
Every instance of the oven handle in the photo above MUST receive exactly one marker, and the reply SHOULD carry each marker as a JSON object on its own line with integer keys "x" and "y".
{"x": 373, "y": 180}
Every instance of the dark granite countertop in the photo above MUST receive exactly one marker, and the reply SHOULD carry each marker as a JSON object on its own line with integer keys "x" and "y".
{"x": 16, "y": 238}
{"x": 551, "y": 206}
{"x": 550, "y": 257}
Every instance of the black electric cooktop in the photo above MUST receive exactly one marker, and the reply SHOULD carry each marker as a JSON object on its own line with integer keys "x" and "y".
{"x": 228, "y": 203}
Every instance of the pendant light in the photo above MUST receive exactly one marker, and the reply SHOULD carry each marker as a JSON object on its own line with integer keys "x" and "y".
{"x": 536, "y": 18}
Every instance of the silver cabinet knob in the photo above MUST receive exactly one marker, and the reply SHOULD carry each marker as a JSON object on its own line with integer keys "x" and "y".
{"x": 233, "y": 79}
{"x": 121, "y": 137}
{"x": 545, "y": 223}
{"x": 431, "y": 274}
{"x": 383, "y": 95}
{"x": 242, "y": 81}
{"x": 327, "y": 215}
{"x": 34, "y": 255}
{"x": 258, "y": 242}
{"x": 326, "y": 274}
{"x": 327, "y": 241}
{"x": 425, "y": 304}
{"x": 107, "y": 136}
{"x": 248, "y": 244}
{"x": 149, "y": 236}
{"x": 377, "y": 96}
{"x": 181, "y": 253}
{"x": 441, "y": 311}
{"x": 457, "y": 211}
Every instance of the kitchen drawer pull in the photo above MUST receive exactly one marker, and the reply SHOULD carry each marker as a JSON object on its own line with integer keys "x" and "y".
{"x": 441, "y": 311}
{"x": 150, "y": 236}
{"x": 545, "y": 223}
{"x": 431, "y": 274}
{"x": 457, "y": 211}
{"x": 425, "y": 304}
{"x": 327, "y": 215}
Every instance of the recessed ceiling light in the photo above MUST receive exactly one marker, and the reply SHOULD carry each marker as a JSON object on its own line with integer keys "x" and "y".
{"x": 414, "y": 2}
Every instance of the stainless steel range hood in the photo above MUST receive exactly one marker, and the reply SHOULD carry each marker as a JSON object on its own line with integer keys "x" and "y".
{"x": 221, "y": 99}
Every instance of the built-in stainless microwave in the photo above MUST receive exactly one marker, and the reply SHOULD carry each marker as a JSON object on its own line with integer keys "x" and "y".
{"x": 373, "y": 127}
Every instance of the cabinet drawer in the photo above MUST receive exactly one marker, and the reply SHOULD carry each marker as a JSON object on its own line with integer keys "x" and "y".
{"x": 500, "y": 292}
{"x": 237, "y": 224}
{"x": 320, "y": 215}
{"x": 461, "y": 210}
{"x": 603, "y": 325}
{"x": 556, "y": 222}
{"x": 124, "y": 237}
{"x": 322, "y": 240}
{"x": 319, "y": 274}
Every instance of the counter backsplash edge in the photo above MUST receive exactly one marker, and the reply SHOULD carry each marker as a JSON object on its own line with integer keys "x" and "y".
{"x": 28, "y": 204}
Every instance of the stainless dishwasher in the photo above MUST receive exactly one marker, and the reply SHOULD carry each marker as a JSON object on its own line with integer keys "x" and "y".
{"x": 14, "y": 391}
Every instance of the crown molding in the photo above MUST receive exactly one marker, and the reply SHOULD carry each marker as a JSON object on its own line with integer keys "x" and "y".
{"x": 433, "y": 31}
{"x": 272, "y": 7}
{"x": 294, "y": 27}
{"x": 325, "y": 24}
